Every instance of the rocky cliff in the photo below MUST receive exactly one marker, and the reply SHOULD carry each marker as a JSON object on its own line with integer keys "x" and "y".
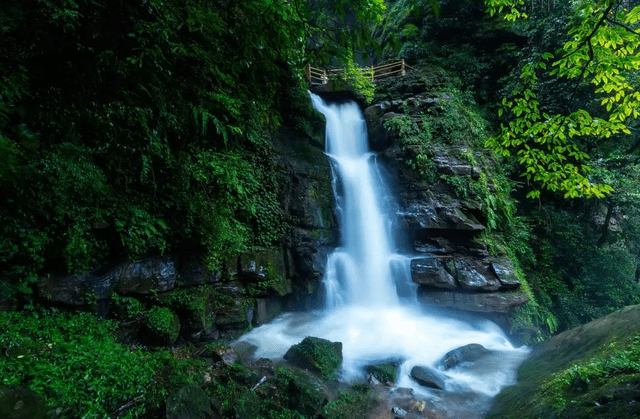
{"x": 444, "y": 186}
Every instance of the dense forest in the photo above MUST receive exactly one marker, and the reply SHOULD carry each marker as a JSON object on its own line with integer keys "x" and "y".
{"x": 145, "y": 128}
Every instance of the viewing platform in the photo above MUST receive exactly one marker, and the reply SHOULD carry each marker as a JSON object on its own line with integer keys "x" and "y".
{"x": 318, "y": 77}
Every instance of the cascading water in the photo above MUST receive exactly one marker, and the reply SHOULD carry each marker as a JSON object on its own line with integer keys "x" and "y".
{"x": 363, "y": 280}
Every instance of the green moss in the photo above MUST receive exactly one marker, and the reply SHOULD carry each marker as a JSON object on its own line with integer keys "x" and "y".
{"x": 164, "y": 323}
{"x": 318, "y": 354}
{"x": 126, "y": 307}
{"x": 385, "y": 372}
{"x": 301, "y": 390}
{"x": 578, "y": 376}
{"x": 356, "y": 403}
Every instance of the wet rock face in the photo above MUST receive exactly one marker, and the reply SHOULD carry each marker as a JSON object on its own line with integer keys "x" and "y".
{"x": 428, "y": 377}
{"x": 431, "y": 272}
{"x": 494, "y": 302}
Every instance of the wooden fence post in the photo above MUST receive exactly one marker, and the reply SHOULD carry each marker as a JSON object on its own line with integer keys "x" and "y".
{"x": 402, "y": 69}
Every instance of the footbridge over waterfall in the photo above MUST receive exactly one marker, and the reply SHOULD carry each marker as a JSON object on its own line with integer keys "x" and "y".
{"x": 325, "y": 79}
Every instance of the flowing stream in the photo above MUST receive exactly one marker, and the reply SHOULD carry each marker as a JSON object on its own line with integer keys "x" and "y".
{"x": 363, "y": 309}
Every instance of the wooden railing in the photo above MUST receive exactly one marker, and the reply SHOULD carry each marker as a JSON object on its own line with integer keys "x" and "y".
{"x": 318, "y": 76}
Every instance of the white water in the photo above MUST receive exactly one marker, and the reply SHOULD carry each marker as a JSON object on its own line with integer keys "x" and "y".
{"x": 362, "y": 280}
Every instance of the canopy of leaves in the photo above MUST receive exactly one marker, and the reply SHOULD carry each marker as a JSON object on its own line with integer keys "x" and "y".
{"x": 600, "y": 49}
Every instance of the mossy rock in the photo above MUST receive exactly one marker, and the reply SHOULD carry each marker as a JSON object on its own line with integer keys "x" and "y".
{"x": 124, "y": 308}
{"x": 385, "y": 372}
{"x": 190, "y": 402}
{"x": 247, "y": 405}
{"x": 316, "y": 354}
{"x": 611, "y": 395}
{"x": 162, "y": 326}
{"x": 301, "y": 391}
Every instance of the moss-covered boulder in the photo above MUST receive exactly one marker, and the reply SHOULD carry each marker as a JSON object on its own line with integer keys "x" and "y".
{"x": 587, "y": 372}
{"x": 247, "y": 405}
{"x": 301, "y": 391}
{"x": 190, "y": 402}
{"x": 385, "y": 372}
{"x": 315, "y": 354}
{"x": 162, "y": 326}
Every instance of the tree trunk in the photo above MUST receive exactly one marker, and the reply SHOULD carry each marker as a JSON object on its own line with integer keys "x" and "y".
{"x": 605, "y": 226}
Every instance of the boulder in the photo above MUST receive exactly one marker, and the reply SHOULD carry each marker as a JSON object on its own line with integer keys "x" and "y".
{"x": 161, "y": 326}
{"x": 428, "y": 377}
{"x": 190, "y": 402}
{"x": 385, "y": 372}
{"x": 306, "y": 393}
{"x": 433, "y": 214}
{"x": 467, "y": 353}
{"x": 193, "y": 273}
{"x": 266, "y": 310}
{"x": 236, "y": 315}
{"x": 317, "y": 355}
{"x": 78, "y": 290}
{"x": 431, "y": 273}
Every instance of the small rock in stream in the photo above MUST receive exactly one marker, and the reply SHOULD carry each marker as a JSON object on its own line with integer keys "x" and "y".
{"x": 399, "y": 412}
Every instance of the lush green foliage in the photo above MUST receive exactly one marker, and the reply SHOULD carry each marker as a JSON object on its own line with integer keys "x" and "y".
{"x": 600, "y": 49}
{"x": 579, "y": 260}
{"x": 142, "y": 127}
{"x": 76, "y": 365}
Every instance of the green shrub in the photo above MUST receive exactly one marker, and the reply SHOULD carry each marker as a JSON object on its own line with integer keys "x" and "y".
{"x": 126, "y": 307}
{"x": 74, "y": 362}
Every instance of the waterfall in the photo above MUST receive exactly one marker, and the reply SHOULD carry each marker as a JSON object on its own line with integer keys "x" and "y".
{"x": 358, "y": 272}
{"x": 365, "y": 279}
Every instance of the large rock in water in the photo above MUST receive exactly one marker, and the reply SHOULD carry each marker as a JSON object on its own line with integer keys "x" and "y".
{"x": 428, "y": 377}
{"x": 614, "y": 393}
{"x": 467, "y": 353}
{"x": 317, "y": 355}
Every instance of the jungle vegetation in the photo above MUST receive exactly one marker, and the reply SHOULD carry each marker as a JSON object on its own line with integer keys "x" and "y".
{"x": 144, "y": 127}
